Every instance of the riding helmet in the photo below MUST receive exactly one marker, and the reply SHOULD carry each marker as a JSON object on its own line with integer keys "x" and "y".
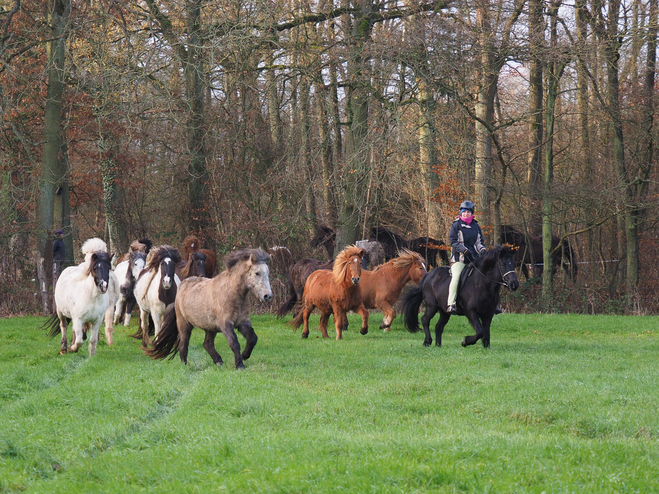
{"x": 467, "y": 205}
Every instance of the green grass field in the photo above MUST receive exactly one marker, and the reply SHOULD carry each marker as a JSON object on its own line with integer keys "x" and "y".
{"x": 559, "y": 403}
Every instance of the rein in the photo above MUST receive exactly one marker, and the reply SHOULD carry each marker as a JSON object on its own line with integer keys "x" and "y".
{"x": 503, "y": 275}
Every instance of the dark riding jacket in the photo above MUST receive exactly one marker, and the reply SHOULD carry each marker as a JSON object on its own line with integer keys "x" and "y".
{"x": 465, "y": 237}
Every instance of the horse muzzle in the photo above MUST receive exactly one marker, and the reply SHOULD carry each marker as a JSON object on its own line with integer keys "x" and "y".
{"x": 513, "y": 285}
{"x": 103, "y": 286}
{"x": 266, "y": 297}
{"x": 354, "y": 280}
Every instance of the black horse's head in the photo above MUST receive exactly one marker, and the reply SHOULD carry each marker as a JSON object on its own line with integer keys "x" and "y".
{"x": 100, "y": 268}
{"x": 500, "y": 262}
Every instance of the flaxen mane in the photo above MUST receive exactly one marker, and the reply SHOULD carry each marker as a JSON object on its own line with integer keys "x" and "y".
{"x": 342, "y": 261}
{"x": 404, "y": 260}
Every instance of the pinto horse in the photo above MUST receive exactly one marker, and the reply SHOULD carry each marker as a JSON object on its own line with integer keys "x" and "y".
{"x": 127, "y": 273}
{"x": 297, "y": 277}
{"x": 382, "y": 286}
{"x": 156, "y": 289}
{"x": 217, "y": 304}
{"x": 192, "y": 244}
{"x": 335, "y": 292}
{"x": 478, "y": 296}
{"x": 81, "y": 295}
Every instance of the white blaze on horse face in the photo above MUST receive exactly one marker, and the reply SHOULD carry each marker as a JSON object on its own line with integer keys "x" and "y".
{"x": 166, "y": 280}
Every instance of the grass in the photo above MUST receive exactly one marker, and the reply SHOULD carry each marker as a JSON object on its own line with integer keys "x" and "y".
{"x": 559, "y": 403}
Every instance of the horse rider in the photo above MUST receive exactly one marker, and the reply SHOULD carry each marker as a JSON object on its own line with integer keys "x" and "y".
{"x": 466, "y": 239}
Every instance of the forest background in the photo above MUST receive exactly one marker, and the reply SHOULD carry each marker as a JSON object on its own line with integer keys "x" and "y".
{"x": 249, "y": 123}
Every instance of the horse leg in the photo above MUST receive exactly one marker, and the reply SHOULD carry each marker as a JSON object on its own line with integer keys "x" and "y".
{"x": 361, "y": 310}
{"x": 486, "y": 320}
{"x": 63, "y": 323}
{"x": 439, "y": 327}
{"x": 118, "y": 309}
{"x": 476, "y": 324}
{"x": 93, "y": 340}
{"x": 234, "y": 344}
{"x": 306, "y": 312}
{"x": 209, "y": 346}
{"x": 144, "y": 327}
{"x": 184, "y": 332}
{"x": 389, "y": 315}
{"x": 431, "y": 310}
{"x": 109, "y": 329}
{"x": 247, "y": 330}
{"x": 340, "y": 323}
{"x": 76, "y": 328}
{"x": 130, "y": 305}
{"x": 324, "y": 320}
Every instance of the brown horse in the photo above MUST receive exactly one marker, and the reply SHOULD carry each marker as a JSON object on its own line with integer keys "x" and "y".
{"x": 382, "y": 286}
{"x": 195, "y": 266}
{"x": 219, "y": 304}
{"x": 335, "y": 292}
{"x": 297, "y": 277}
{"x": 192, "y": 244}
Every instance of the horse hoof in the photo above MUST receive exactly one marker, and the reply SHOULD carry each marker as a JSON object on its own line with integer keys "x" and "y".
{"x": 364, "y": 331}
{"x": 426, "y": 344}
{"x": 305, "y": 336}
{"x": 464, "y": 343}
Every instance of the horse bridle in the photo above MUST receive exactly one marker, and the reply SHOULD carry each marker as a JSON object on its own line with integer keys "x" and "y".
{"x": 503, "y": 275}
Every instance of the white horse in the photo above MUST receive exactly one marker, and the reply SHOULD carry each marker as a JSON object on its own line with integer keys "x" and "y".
{"x": 82, "y": 296}
{"x": 127, "y": 273}
{"x": 156, "y": 287}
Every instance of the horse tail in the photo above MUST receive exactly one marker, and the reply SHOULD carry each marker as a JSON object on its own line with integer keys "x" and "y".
{"x": 411, "y": 301}
{"x": 298, "y": 319}
{"x": 290, "y": 303}
{"x": 52, "y": 325}
{"x": 167, "y": 341}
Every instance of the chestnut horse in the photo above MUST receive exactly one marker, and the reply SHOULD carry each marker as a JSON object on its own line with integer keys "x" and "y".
{"x": 335, "y": 292}
{"x": 220, "y": 304}
{"x": 192, "y": 244}
{"x": 382, "y": 286}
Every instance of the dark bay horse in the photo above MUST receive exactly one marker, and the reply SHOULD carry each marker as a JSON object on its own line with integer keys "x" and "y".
{"x": 381, "y": 287}
{"x": 219, "y": 304}
{"x": 428, "y": 247}
{"x": 325, "y": 237}
{"x": 478, "y": 296}
{"x": 334, "y": 292}
{"x": 297, "y": 277}
{"x": 194, "y": 266}
{"x": 528, "y": 251}
{"x": 191, "y": 244}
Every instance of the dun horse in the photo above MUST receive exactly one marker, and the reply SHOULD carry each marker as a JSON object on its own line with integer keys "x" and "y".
{"x": 216, "y": 304}
{"x": 81, "y": 295}
{"x": 478, "y": 296}
{"x": 381, "y": 287}
{"x": 335, "y": 292}
{"x": 156, "y": 288}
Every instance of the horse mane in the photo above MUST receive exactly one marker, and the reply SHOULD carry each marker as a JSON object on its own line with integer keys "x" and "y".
{"x": 488, "y": 260}
{"x": 155, "y": 257}
{"x": 236, "y": 256}
{"x": 185, "y": 272}
{"x": 190, "y": 244}
{"x": 404, "y": 260}
{"x": 343, "y": 259}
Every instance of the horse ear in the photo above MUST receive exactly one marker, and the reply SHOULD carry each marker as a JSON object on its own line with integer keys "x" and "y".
{"x": 361, "y": 252}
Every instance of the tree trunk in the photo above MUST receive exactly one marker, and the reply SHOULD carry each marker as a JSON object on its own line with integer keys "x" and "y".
{"x": 536, "y": 46}
{"x": 53, "y": 175}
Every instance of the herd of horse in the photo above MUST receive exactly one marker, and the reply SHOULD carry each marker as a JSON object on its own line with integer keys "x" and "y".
{"x": 176, "y": 293}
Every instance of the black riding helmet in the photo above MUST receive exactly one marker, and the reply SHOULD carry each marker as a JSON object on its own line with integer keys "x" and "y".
{"x": 467, "y": 205}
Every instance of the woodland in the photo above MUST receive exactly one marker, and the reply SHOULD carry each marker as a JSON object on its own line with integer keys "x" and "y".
{"x": 251, "y": 123}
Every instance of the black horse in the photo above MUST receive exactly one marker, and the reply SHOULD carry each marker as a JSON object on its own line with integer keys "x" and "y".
{"x": 528, "y": 251}
{"x": 478, "y": 295}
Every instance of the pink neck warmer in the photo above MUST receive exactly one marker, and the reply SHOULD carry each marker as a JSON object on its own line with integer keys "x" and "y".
{"x": 468, "y": 220}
